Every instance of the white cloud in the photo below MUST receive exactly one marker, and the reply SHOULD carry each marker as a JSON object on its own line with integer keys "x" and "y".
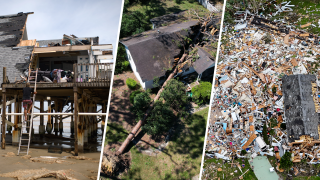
{"x": 83, "y": 18}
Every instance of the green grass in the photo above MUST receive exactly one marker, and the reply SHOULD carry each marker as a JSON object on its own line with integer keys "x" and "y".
{"x": 182, "y": 157}
{"x": 227, "y": 169}
{"x": 164, "y": 7}
{"x": 115, "y": 133}
{"x": 301, "y": 8}
{"x": 307, "y": 178}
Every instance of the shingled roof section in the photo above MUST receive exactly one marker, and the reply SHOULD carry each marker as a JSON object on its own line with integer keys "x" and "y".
{"x": 299, "y": 107}
{"x": 153, "y": 51}
{"x": 16, "y": 60}
{"x": 204, "y": 62}
{"x": 11, "y": 29}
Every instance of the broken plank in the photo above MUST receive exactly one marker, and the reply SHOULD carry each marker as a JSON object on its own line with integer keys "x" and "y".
{"x": 105, "y": 46}
{"x": 104, "y": 57}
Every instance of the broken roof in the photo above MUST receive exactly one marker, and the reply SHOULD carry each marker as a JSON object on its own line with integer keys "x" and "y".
{"x": 299, "y": 106}
{"x": 204, "y": 62}
{"x": 44, "y": 43}
{"x": 16, "y": 60}
{"x": 153, "y": 51}
{"x": 12, "y": 28}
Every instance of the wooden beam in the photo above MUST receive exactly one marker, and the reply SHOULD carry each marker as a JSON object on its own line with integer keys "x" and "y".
{"x": 61, "y": 48}
{"x": 8, "y": 103}
{"x": 102, "y": 52}
{"x": 105, "y": 57}
{"x": 103, "y": 46}
{"x": 4, "y": 99}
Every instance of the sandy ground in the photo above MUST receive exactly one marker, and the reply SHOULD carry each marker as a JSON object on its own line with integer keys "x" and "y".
{"x": 77, "y": 169}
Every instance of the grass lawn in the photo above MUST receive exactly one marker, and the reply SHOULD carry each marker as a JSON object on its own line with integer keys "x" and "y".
{"x": 307, "y": 178}
{"x": 227, "y": 172}
{"x": 182, "y": 157}
{"x": 115, "y": 133}
{"x": 167, "y": 7}
{"x": 309, "y": 11}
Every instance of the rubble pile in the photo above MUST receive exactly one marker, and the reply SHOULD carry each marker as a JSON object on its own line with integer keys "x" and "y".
{"x": 249, "y": 94}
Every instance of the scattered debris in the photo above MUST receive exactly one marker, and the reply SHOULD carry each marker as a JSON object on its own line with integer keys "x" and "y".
{"x": 9, "y": 154}
{"x": 266, "y": 99}
{"x": 29, "y": 174}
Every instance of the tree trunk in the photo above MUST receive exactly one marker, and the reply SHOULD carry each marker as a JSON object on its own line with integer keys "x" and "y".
{"x": 141, "y": 122}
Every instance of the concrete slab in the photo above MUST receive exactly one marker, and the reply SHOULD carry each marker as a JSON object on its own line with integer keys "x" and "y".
{"x": 262, "y": 168}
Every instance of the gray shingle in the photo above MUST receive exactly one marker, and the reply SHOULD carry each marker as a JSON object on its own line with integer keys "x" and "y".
{"x": 16, "y": 60}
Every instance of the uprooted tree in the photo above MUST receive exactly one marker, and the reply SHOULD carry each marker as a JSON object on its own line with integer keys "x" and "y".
{"x": 156, "y": 116}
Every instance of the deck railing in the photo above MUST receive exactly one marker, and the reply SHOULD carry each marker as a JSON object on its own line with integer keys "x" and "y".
{"x": 92, "y": 73}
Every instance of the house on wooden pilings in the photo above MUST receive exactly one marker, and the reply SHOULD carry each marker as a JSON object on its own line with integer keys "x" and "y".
{"x": 91, "y": 66}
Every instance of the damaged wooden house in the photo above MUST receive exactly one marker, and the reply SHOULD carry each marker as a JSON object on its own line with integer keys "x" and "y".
{"x": 154, "y": 53}
{"x": 71, "y": 76}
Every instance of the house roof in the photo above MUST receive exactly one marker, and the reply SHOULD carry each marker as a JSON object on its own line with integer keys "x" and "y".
{"x": 167, "y": 19}
{"x": 12, "y": 28}
{"x": 300, "y": 111}
{"x": 44, "y": 43}
{"x": 153, "y": 51}
{"x": 204, "y": 62}
{"x": 16, "y": 60}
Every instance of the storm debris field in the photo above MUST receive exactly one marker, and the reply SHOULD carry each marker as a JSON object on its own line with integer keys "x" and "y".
{"x": 266, "y": 100}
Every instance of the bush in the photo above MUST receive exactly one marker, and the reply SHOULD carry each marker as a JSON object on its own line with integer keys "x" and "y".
{"x": 133, "y": 94}
{"x": 125, "y": 65}
{"x": 201, "y": 93}
{"x": 131, "y": 83}
{"x": 243, "y": 152}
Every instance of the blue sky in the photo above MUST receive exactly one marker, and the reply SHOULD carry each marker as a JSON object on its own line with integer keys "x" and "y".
{"x": 83, "y": 18}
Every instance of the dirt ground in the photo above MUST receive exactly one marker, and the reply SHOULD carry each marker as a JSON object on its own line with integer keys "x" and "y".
{"x": 119, "y": 111}
{"x": 23, "y": 166}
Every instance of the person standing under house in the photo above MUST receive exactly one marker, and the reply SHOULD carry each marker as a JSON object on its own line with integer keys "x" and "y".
{"x": 26, "y": 99}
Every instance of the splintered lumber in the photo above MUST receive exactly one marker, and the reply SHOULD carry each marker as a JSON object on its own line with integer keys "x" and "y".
{"x": 261, "y": 76}
{"x": 254, "y": 92}
{"x": 305, "y": 25}
{"x": 304, "y": 35}
{"x": 141, "y": 122}
{"x": 251, "y": 138}
{"x": 244, "y": 173}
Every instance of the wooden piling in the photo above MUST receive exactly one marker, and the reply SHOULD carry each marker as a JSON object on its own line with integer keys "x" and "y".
{"x": 75, "y": 115}
{"x": 4, "y": 101}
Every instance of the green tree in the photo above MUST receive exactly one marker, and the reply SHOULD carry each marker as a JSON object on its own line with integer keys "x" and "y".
{"x": 285, "y": 161}
{"x": 133, "y": 95}
{"x": 141, "y": 103}
{"x": 201, "y": 93}
{"x": 265, "y": 134}
{"x": 122, "y": 64}
{"x": 160, "y": 119}
{"x": 174, "y": 94}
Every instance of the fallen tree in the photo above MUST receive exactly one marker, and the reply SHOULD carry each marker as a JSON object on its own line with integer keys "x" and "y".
{"x": 141, "y": 122}
{"x": 110, "y": 163}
